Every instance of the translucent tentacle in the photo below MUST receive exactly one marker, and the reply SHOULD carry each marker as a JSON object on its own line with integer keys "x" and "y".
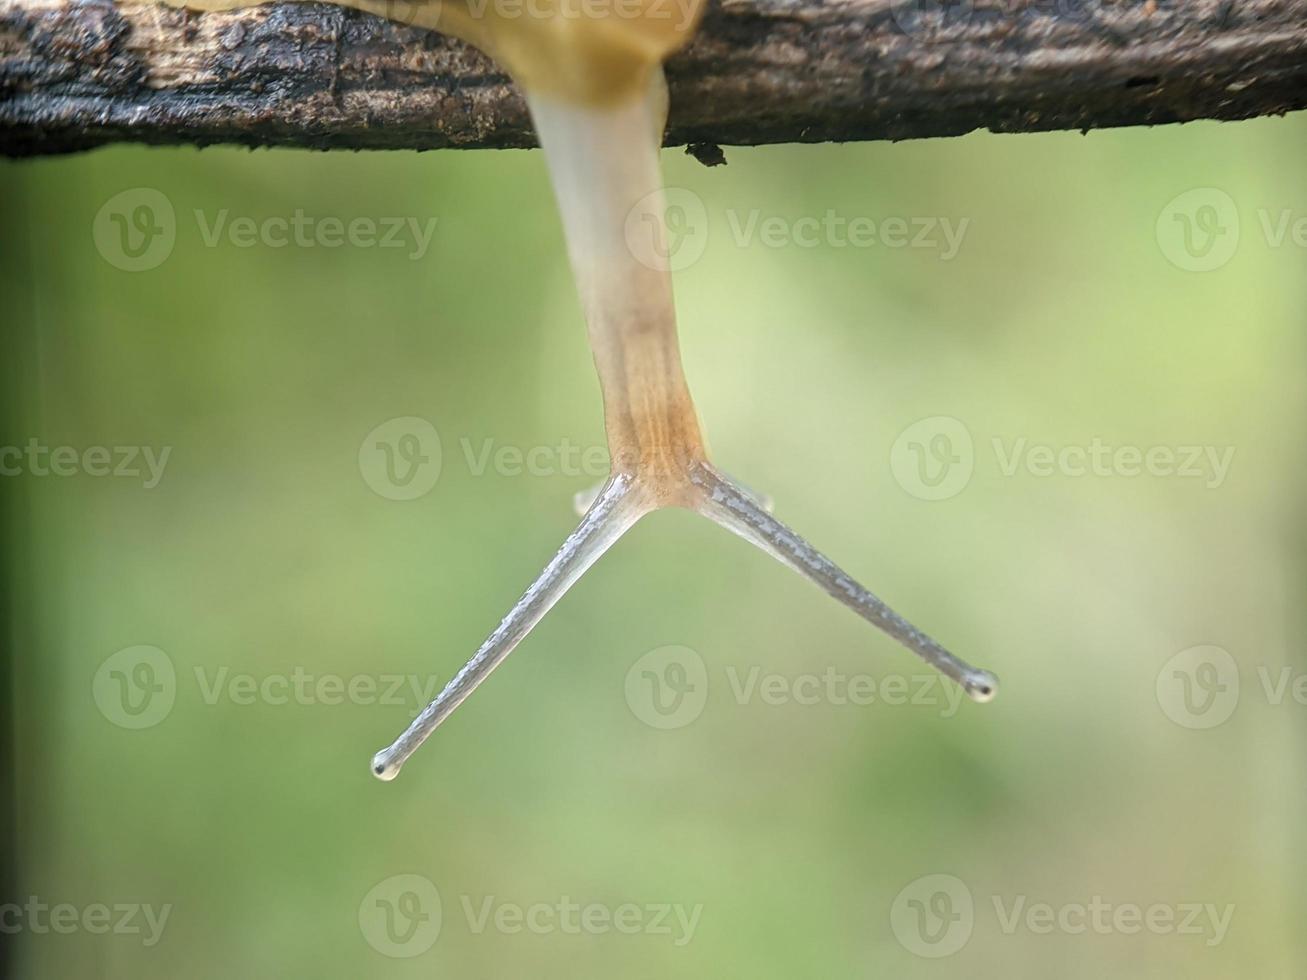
{"x": 738, "y": 510}
{"x": 618, "y": 506}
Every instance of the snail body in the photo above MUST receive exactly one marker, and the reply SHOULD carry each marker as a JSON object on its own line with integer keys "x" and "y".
{"x": 595, "y": 88}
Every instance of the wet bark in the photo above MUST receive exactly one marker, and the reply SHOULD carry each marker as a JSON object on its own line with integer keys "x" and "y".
{"x": 75, "y": 74}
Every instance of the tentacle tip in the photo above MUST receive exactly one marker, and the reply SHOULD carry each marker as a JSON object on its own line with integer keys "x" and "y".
{"x": 383, "y": 767}
{"x": 981, "y": 686}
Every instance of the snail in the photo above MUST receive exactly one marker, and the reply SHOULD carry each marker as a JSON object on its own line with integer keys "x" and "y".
{"x": 594, "y": 83}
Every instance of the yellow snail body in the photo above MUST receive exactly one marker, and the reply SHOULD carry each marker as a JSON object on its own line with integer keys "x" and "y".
{"x": 594, "y": 85}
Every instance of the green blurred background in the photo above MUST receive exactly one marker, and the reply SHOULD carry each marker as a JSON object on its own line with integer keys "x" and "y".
{"x": 800, "y": 832}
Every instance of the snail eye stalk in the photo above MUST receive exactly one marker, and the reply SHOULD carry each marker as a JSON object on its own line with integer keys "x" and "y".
{"x": 740, "y": 512}
{"x": 615, "y": 509}
{"x": 621, "y": 502}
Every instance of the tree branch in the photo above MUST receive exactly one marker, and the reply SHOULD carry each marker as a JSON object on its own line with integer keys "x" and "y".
{"x": 80, "y": 73}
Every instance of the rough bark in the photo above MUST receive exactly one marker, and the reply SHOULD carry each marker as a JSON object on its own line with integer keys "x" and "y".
{"x": 80, "y": 73}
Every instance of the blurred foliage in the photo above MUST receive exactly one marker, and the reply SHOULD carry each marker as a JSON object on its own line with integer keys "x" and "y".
{"x": 263, "y": 551}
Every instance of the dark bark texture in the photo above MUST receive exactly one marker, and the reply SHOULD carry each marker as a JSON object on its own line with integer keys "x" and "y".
{"x": 76, "y": 74}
